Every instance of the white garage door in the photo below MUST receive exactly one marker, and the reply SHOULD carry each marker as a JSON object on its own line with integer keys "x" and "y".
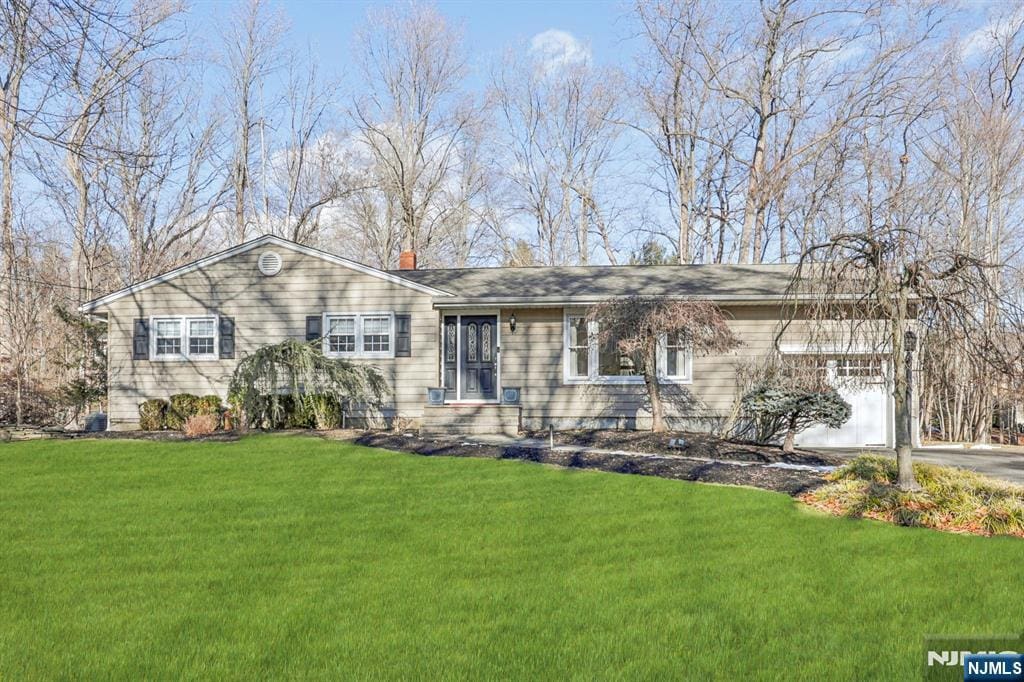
{"x": 860, "y": 380}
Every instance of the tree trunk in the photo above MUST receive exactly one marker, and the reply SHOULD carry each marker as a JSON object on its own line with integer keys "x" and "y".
{"x": 904, "y": 462}
{"x": 750, "y": 205}
{"x": 19, "y": 416}
{"x": 983, "y": 420}
{"x": 684, "y": 221}
{"x": 654, "y": 392}
{"x": 788, "y": 444}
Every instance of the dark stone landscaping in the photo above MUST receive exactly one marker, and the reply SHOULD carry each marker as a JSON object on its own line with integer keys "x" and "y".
{"x": 677, "y": 466}
{"x": 689, "y": 444}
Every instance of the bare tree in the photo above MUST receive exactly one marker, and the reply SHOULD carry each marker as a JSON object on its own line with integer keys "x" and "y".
{"x": 24, "y": 316}
{"x": 413, "y": 115}
{"x": 975, "y": 151}
{"x": 558, "y": 134}
{"x": 252, "y": 34}
{"x": 310, "y": 170}
{"x": 18, "y": 42}
{"x": 869, "y": 287}
{"x": 162, "y": 186}
{"x": 679, "y": 109}
{"x": 804, "y": 73}
{"x": 107, "y": 56}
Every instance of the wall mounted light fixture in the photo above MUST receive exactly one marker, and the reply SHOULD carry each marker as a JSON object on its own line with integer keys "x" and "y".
{"x": 512, "y": 323}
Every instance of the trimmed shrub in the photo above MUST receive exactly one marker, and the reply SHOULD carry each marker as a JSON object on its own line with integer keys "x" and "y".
{"x": 209, "y": 404}
{"x": 183, "y": 406}
{"x": 777, "y": 409}
{"x": 200, "y": 425}
{"x": 318, "y": 411}
{"x": 153, "y": 415}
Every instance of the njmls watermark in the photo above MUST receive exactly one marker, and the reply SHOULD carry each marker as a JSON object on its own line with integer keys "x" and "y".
{"x": 967, "y": 659}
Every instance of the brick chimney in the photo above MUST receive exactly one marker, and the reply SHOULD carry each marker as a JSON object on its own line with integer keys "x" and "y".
{"x": 407, "y": 260}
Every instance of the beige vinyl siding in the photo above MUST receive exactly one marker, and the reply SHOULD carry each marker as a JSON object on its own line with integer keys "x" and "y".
{"x": 265, "y": 310}
{"x": 269, "y": 309}
{"x": 532, "y": 359}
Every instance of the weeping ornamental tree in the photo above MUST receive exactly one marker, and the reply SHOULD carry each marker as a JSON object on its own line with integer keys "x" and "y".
{"x": 638, "y": 325}
{"x": 871, "y": 291}
{"x": 297, "y": 369}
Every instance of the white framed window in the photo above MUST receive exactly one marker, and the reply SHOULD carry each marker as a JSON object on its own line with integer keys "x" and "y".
{"x": 341, "y": 334}
{"x": 183, "y": 337}
{"x": 376, "y": 334}
{"x": 860, "y": 367}
{"x": 675, "y": 359}
{"x": 577, "y": 347}
{"x": 359, "y": 335}
{"x": 587, "y": 360}
{"x": 167, "y": 338}
{"x": 202, "y": 337}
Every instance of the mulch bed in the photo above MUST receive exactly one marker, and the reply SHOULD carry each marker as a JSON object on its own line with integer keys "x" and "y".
{"x": 789, "y": 481}
{"x": 697, "y": 445}
{"x": 168, "y": 435}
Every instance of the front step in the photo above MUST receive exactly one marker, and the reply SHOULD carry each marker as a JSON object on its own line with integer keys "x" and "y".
{"x": 468, "y": 419}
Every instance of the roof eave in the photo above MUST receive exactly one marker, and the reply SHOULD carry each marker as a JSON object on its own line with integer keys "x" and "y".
{"x": 92, "y": 305}
{"x": 561, "y": 301}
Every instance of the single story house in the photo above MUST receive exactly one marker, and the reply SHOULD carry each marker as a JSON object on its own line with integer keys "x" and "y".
{"x": 503, "y": 348}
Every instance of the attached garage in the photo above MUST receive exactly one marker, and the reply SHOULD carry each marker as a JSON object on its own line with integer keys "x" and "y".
{"x": 862, "y": 381}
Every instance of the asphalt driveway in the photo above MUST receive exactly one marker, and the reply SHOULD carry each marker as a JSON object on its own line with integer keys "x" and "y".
{"x": 1006, "y": 463}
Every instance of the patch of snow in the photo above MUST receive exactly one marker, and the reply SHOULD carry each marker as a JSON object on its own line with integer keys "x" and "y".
{"x": 801, "y": 467}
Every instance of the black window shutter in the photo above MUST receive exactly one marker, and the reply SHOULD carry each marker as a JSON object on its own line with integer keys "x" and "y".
{"x": 403, "y": 336}
{"x": 313, "y": 327}
{"x": 227, "y": 338}
{"x": 140, "y": 340}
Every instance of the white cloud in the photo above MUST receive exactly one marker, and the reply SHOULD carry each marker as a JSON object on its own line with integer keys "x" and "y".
{"x": 554, "y": 48}
{"x": 997, "y": 29}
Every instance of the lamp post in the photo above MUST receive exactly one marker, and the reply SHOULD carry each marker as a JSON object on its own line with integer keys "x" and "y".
{"x": 910, "y": 345}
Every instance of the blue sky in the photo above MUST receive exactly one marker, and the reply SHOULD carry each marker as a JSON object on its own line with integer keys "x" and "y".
{"x": 602, "y": 27}
{"x": 490, "y": 27}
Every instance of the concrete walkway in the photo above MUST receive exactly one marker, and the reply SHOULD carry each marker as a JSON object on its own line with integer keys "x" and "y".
{"x": 1005, "y": 462}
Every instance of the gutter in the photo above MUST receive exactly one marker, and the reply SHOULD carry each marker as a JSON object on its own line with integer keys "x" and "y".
{"x": 557, "y": 301}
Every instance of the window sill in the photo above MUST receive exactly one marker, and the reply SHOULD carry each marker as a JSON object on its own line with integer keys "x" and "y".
{"x": 183, "y": 358}
{"x": 359, "y": 356}
{"x": 610, "y": 381}
{"x": 621, "y": 381}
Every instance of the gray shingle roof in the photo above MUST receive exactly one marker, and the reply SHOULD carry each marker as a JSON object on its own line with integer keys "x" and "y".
{"x": 593, "y": 283}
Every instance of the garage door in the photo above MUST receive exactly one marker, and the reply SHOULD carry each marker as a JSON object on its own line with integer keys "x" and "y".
{"x": 860, "y": 380}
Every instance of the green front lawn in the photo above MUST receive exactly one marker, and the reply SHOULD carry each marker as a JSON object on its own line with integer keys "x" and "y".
{"x": 284, "y": 556}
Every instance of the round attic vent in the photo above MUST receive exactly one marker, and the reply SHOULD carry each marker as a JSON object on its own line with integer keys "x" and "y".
{"x": 269, "y": 263}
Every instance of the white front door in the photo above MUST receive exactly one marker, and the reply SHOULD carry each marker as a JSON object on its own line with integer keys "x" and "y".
{"x": 860, "y": 380}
